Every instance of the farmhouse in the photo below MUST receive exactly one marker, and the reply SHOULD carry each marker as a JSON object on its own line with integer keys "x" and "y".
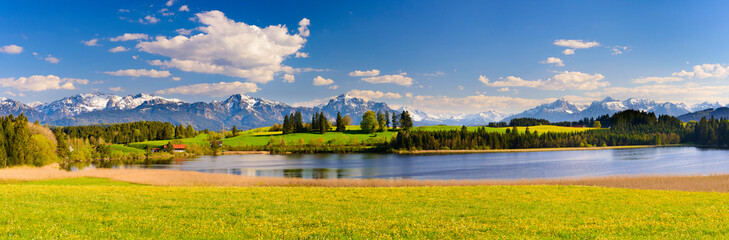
{"x": 178, "y": 148}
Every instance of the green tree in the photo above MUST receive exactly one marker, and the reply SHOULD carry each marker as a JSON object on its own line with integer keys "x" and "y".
{"x": 234, "y": 131}
{"x": 340, "y": 123}
{"x": 323, "y": 124}
{"x": 369, "y": 122}
{"x": 395, "y": 119}
{"x": 387, "y": 119}
{"x": 597, "y": 124}
{"x": 405, "y": 121}
{"x": 381, "y": 122}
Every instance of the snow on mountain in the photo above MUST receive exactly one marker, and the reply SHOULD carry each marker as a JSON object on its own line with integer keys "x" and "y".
{"x": 705, "y": 105}
{"x": 133, "y": 101}
{"x": 559, "y": 110}
{"x": 89, "y": 102}
{"x": 421, "y": 118}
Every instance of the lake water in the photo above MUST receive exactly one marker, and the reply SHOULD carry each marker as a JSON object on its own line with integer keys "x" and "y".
{"x": 557, "y": 164}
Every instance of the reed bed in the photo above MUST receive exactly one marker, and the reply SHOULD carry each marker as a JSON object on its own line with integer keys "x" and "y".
{"x": 702, "y": 183}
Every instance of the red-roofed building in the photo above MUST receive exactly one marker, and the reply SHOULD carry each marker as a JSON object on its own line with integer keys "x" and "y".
{"x": 178, "y": 148}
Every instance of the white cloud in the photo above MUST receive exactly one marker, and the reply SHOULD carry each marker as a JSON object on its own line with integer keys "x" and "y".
{"x": 301, "y": 55}
{"x": 575, "y": 44}
{"x": 435, "y": 74}
{"x": 229, "y": 48}
{"x": 460, "y": 87}
{"x": 123, "y": 10}
{"x": 166, "y": 12}
{"x": 213, "y": 89}
{"x": 657, "y": 79}
{"x": 575, "y": 80}
{"x": 118, "y": 49}
{"x": 474, "y": 103}
{"x": 116, "y": 89}
{"x": 369, "y": 94}
{"x": 184, "y": 8}
{"x": 504, "y": 89}
{"x": 176, "y": 78}
{"x": 483, "y": 79}
{"x": 52, "y": 59}
{"x": 170, "y": 3}
{"x": 511, "y": 81}
{"x": 705, "y": 71}
{"x": 140, "y": 73}
{"x": 129, "y": 37}
{"x": 289, "y": 78}
{"x": 320, "y": 81}
{"x": 11, "y": 49}
{"x": 37, "y": 83}
{"x": 399, "y": 79}
{"x": 560, "y": 81}
{"x": 149, "y": 19}
{"x": 312, "y": 103}
{"x": 572, "y": 44}
{"x": 370, "y": 73}
{"x": 617, "y": 50}
{"x": 183, "y": 31}
{"x": 334, "y": 87}
{"x": 304, "y": 27}
{"x": 553, "y": 60}
{"x": 92, "y": 42}
{"x": 135, "y": 57}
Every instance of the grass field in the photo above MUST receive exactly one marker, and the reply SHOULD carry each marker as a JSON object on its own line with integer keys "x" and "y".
{"x": 482, "y": 212}
{"x": 199, "y": 139}
{"x": 261, "y": 136}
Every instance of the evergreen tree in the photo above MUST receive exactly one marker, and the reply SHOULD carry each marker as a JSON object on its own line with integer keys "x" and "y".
{"x": 323, "y": 124}
{"x": 387, "y": 119}
{"x": 341, "y": 127}
{"x": 286, "y": 124}
{"x": 395, "y": 120}
{"x": 315, "y": 122}
{"x": 405, "y": 121}
{"x": 234, "y": 130}
{"x": 381, "y": 122}
{"x": 299, "y": 122}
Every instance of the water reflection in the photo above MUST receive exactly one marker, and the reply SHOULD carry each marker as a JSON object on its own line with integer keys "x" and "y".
{"x": 664, "y": 160}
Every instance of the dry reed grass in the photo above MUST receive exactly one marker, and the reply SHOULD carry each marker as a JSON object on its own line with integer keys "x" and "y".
{"x": 710, "y": 183}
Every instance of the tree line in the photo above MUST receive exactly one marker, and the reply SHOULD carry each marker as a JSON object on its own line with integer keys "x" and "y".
{"x": 24, "y": 143}
{"x": 123, "y": 133}
{"x": 628, "y": 128}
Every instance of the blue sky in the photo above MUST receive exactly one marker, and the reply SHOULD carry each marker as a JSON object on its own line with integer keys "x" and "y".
{"x": 441, "y": 56}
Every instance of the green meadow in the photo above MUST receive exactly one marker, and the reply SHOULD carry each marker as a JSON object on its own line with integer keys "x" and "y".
{"x": 353, "y": 135}
{"x": 70, "y": 209}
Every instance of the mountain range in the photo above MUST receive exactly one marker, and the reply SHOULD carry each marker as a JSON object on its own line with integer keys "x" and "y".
{"x": 248, "y": 112}
{"x": 563, "y": 110}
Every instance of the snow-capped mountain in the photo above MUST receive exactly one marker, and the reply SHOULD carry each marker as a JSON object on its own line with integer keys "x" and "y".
{"x": 608, "y": 106}
{"x": 89, "y": 102}
{"x": 9, "y": 106}
{"x": 249, "y": 112}
{"x": 421, "y": 118}
{"x": 557, "y": 111}
{"x": 705, "y": 105}
{"x": 563, "y": 110}
{"x": 353, "y": 106}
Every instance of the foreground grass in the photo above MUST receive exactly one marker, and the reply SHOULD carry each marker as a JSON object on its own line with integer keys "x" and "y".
{"x": 515, "y": 212}
{"x": 82, "y": 181}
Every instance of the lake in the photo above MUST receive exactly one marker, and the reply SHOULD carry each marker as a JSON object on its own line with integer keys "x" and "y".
{"x": 556, "y": 164}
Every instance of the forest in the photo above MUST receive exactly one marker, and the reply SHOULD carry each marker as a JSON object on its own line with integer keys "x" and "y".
{"x": 627, "y": 128}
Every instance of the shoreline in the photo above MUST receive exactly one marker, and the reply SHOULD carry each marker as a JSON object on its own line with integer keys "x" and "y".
{"x": 529, "y": 149}
{"x": 718, "y": 182}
